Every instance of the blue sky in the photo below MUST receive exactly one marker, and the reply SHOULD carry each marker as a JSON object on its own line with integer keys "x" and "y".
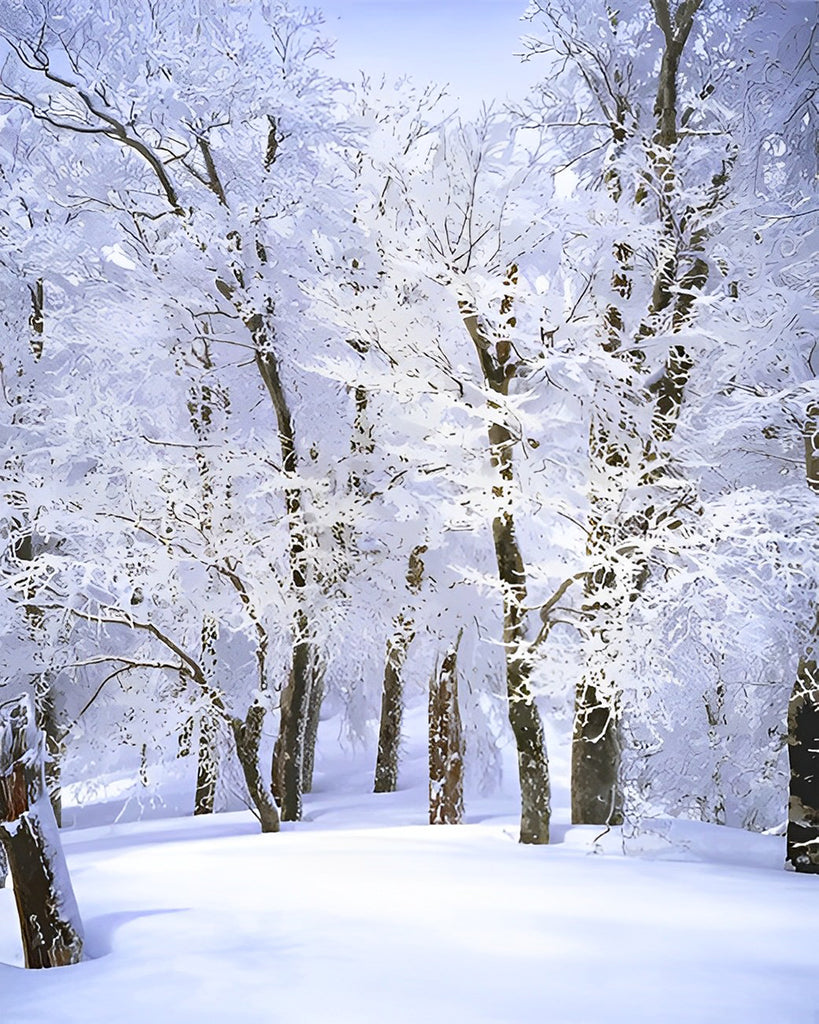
{"x": 469, "y": 43}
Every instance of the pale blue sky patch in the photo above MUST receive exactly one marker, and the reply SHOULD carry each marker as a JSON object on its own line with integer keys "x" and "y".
{"x": 471, "y": 44}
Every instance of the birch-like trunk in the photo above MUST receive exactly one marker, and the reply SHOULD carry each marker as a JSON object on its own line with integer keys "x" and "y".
{"x": 50, "y": 923}
{"x": 201, "y": 402}
{"x": 595, "y": 758}
{"x": 207, "y": 766}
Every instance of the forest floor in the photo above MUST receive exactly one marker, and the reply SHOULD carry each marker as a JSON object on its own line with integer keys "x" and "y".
{"x": 363, "y": 913}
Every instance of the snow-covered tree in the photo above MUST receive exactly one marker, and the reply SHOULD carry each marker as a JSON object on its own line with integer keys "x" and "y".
{"x": 648, "y": 109}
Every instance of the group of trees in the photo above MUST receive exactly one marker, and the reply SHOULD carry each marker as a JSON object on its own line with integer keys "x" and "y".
{"x": 314, "y": 394}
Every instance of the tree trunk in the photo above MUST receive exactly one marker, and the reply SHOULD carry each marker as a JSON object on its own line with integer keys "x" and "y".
{"x": 200, "y": 411}
{"x": 715, "y": 714}
{"x": 288, "y": 755}
{"x": 313, "y": 719}
{"x": 803, "y": 717}
{"x": 392, "y": 708}
{"x": 24, "y": 549}
{"x": 277, "y": 763}
{"x": 446, "y": 753}
{"x": 37, "y": 318}
{"x": 248, "y": 735}
{"x": 287, "y": 769}
{"x": 49, "y": 919}
{"x": 207, "y": 769}
{"x": 44, "y": 699}
{"x": 524, "y": 717}
{"x": 392, "y": 693}
{"x": 803, "y": 756}
{"x": 533, "y": 764}
{"x": 595, "y": 761}
{"x": 47, "y": 720}
{"x": 596, "y": 797}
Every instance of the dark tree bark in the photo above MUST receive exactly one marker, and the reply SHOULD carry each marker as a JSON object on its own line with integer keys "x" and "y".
{"x": 446, "y": 746}
{"x": 524, "y": 717}
{"x": 392, "y": 707}
{"x": 595, "y": 760}
{"x": 803, "y": 756}
{"x": 803, "y": 717}
{"x": 49, "y": 919}
{"x": 248, "y": 735}
{"x": 288, "y": 754}
{"x": 392, "y": 693}
{"x": 277, "y": 763}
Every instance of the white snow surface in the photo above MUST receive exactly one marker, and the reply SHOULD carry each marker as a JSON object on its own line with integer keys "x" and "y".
{"x": 364, "y": 913}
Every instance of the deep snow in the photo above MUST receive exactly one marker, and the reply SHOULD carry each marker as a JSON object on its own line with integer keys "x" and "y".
{"x": 362, "y": 913}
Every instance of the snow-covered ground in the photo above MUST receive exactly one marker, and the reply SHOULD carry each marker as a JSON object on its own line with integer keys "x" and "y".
{"x": 363, "y": 913}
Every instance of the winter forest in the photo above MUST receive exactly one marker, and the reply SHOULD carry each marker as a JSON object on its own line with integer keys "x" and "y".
{"x": 342, "y": 427}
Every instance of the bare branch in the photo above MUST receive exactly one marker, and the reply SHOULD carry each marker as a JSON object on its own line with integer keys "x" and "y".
{"x": 546, "y": 608}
